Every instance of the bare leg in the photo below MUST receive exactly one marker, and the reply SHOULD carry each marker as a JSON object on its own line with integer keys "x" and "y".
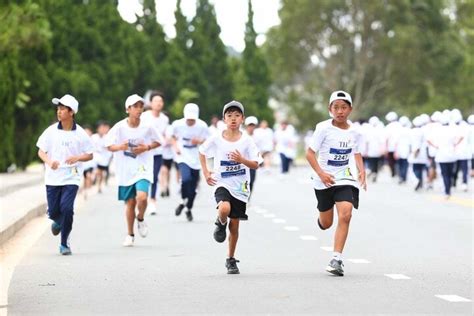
{"x": 130, "y": 214}
{"x": 141, "y": 204}
{"x": 164, "y": 178}
{"x": 344, "y": 212}
{"x": 326, "y": 218}
{"x": 233, "y": 236}
{"x": 223, "y": 211}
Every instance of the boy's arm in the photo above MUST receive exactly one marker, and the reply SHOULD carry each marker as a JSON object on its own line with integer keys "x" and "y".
{"x": 237, "y": 157}
{"x": 44, "y": 157}
{"x": 83, "y": 157}
{"x": 118, "y": 147}
{"x": 207, "y": 174}
{"x": 326, "y": 178}
{"x": 360, "y": 166}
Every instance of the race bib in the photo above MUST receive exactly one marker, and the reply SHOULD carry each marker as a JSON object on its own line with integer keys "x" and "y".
{"x": 339, "y": 157}
{"x": 231, "y": 169}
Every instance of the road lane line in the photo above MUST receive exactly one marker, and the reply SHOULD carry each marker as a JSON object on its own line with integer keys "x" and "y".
{"x": 327, "y": 248}
{"x": 279, "y": 220}
{"x": 308, "y": 237}
{"x": 269, "y": 215}
{"x": 397, "y": 276}
{"x": 453, "y": 298}
{"x": 292, "y": 228}
{"x": 454, "y": 199}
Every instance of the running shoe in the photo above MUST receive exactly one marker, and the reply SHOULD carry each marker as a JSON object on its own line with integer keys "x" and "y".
{"x": 189, "y": 215}
{"x": 335, "y": 267}
{"x": 128, "y": 242}
{"x": 142, "y": 228}
{"x": 231, "y": 265}
{"x": 220, "y": 231}
{"x": 179, "y": 209}
{"x": 151, "y": 208}
{"x": 55, "y": 228}
{"x": 64, "y": 250}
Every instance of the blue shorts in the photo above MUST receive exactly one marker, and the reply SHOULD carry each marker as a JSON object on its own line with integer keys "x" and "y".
{"x": 126, "y": 193}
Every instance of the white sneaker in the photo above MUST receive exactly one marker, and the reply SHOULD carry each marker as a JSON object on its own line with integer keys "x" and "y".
{"x": 142, "y": 228}
{"x": 128, "y": 242}
{"x": 464, "y": 187}
{"x": 151, "y": 208}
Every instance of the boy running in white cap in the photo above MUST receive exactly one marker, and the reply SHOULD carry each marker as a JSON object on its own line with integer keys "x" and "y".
{"x": 188, "y": 133}
{"x": 132, "y": 142}
{"x": 335, "y": 142}
{"x": 234, "y": 153}
{"x": 63, "y": 147}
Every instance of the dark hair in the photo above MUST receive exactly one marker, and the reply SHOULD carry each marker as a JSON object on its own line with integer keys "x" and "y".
{"x": 233, "y": 109}
{"x": 102, "y": 122}
{"x": 157, "y": 93}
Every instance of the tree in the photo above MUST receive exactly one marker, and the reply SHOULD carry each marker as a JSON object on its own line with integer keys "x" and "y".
{"x": 211, "y": 77}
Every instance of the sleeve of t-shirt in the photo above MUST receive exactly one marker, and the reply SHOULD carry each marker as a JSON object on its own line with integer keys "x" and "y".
{"x": 208, "y": 148}
{"x": 253, "y": 152}
{"x": 111, "y": 137}
{"x": 317, "y": 139}
{"x": 86, "y": 144}
{"x": 155, "y": 136}
{"x": 43, "y": 142}
{"x": 358, "y": 140}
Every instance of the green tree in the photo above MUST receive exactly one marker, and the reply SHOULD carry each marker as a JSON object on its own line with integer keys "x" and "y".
{"x": 211, "y": 77}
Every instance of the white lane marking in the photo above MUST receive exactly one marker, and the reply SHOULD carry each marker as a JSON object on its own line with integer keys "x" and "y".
{"x": 268, "y": 215}
{"x": 453, "y": 298}
{"x": 397, "y": 276}
{"x": 358, "y": 260}
{"x": 292, "y": 228}
{"x": 260, "y": 210}
{"x": 279, "y": 220}
{"x": 308, "y": 237}
{"x": 327, "y": 248}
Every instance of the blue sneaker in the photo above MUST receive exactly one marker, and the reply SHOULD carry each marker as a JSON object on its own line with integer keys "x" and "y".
{"x": 65, "y": 251}
{"x": 55, "y": 228}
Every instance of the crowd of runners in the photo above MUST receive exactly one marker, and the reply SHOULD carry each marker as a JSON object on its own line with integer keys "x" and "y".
{"x": 143, "y": 148}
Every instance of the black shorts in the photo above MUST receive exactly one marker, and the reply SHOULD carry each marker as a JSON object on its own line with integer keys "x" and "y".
{"x": 168, "y": 163}
{"x": 87, "y": 171}
{"x": 103, "y": 168}
{"x": 328, "y": 197}
{"x": 237, "y": 207}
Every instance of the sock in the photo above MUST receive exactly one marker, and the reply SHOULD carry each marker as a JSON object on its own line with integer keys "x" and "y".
{"x": 140, "y": 220}
{"x": 133, "y": 235}
{"x": 337, "y": 255}
{"x": 223, "y": 223}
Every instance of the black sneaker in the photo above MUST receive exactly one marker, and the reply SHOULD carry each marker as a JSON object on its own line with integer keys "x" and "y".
{"x": 189, "y": 215}
{"x": 55, "y": 228}
{"x": 335, "y": 267}
{"x": 220, "y": 231}
{"x": 231, "y": 265}
{"x": 179, "y": 209}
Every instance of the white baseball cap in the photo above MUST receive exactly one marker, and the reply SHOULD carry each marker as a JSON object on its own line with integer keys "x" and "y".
{"x": 191, "y": 111}
{"x": 470, "y": 119}
{"x": 69, "y": 101}
{"x": 132, "y": 99}
{"x": 391, "y": 116}
{"x": 251, "y": 120}
{"x": 232, "y": 103}
{"x": 340, "y": 95}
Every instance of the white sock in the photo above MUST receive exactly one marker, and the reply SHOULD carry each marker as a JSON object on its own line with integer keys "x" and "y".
{"x": 337, "y": 255}
{"x": 223, "y": 223}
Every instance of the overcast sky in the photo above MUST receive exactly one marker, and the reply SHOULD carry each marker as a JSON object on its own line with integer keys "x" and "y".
{"x": 231, "y": 16}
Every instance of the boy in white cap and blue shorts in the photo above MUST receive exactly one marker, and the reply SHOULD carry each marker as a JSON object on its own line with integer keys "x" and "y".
{"x": 132, "y": 143}
{"x": 63, "y": 147}
{"x": 335, "y": 158}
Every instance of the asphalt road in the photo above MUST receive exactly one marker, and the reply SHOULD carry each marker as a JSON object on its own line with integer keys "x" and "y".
{"x": 404, "y": 252}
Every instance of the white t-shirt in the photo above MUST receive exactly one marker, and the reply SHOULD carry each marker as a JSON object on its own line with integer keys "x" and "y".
{"x": 418, "y": 146}
{"x": 286, "y": 141}
{"x": 392, "y": 135}
{"x": 131, "y": 168}
{"x": 462, "y": 151}
{"x": 402, "y": 148}
{"x": 231, "y": 175}
{"x": 168, "y": 152}
{"x": 445, "y": 138}
{"x": 336, "y": 148}
{"x": 184, "y": 134}
{"x": 159, "y": 123}
{"x": 102, "y": 155}
{"x": 375, "y": 141}
{"x": 264, "y": 139}
{"x": 60, "y": 145}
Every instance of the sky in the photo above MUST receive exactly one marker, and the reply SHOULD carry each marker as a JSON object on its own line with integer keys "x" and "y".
{"x": 231, "y": 16}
